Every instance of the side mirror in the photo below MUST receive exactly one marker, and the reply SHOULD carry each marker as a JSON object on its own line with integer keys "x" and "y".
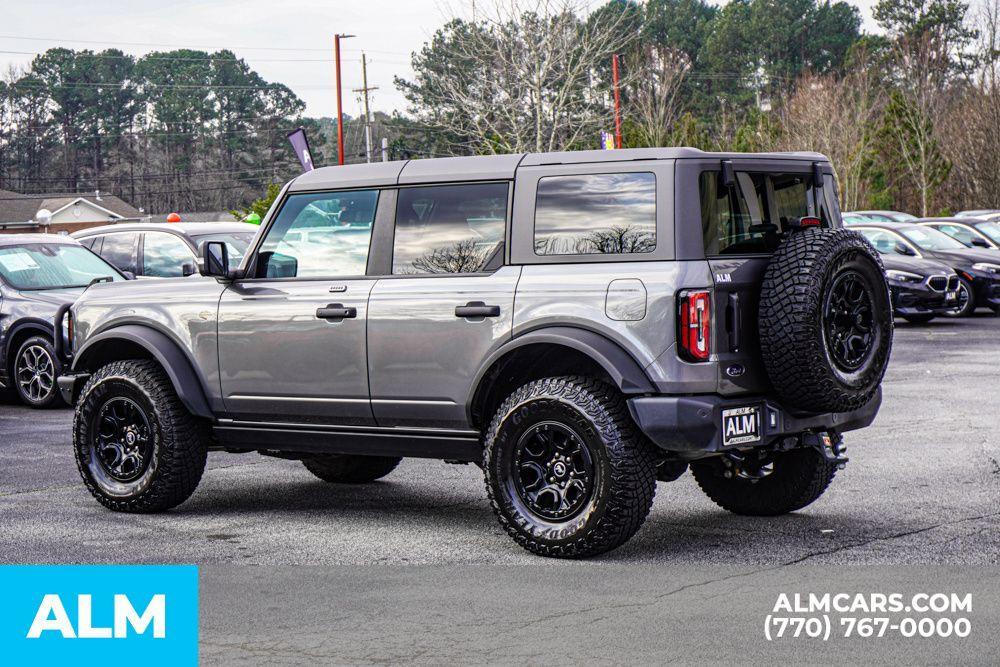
{"x": 215, "y": 258}
{"x": 903, "y": 249}
{"x": 979, "y": 242}
{"x": 189, "y": 269}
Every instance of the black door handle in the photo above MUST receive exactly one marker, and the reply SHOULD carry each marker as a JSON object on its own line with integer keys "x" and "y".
{"x": 336, "y": 311}
{"x": 477, "y": 309}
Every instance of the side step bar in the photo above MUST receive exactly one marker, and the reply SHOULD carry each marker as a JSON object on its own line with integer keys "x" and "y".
{"x": 373, "y": 441}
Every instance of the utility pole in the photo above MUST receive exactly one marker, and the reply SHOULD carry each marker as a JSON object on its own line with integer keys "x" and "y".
{"x": 618, "y": 103}
{"x": 368, "y": 118}
{"x": 340, "y": 104}
{"x": 385, "y": 149}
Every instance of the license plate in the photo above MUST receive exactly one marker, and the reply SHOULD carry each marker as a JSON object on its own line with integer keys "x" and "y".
{"x": 740, "y": 426}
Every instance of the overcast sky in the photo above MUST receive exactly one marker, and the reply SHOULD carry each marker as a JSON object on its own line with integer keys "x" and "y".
{"x": 289, "y": 41}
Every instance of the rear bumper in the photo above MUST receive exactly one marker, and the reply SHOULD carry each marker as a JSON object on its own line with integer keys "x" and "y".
{"x": 694, "y": 423}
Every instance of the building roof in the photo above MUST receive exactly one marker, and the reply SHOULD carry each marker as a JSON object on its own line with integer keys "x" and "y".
{"x": 16, "y": 207}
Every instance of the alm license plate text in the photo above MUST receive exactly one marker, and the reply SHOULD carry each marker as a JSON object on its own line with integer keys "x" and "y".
{"x": 740, "y": 426}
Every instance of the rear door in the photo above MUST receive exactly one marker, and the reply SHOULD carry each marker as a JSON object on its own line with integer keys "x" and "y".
{"x": 446, "y": 306}
{"x": 743, "y": 222}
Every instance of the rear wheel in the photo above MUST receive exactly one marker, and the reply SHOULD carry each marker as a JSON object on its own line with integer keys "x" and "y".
{"x": 349, "y": 469}
{"x": 567, "y": 473}
{"x": 35, "y": 371}
{"x": 784, "y": 482}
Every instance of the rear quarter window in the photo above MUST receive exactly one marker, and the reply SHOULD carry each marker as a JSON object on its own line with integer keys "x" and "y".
{"x": 596, "y": 214}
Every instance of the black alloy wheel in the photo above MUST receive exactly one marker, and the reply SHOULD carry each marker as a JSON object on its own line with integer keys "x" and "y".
{"x": 849, "y": 322}
{"x": 123, "y": 439}
{"x": 553, "y": 474}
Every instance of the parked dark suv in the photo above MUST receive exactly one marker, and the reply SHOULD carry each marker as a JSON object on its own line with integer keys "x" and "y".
{"x": 164, "y": 250}
{"x": 579, "y": 324}
{"x": 39, "y": 273}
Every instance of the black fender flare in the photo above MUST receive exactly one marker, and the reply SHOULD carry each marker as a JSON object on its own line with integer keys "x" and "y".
{"x": 189, "y": 387}
{"x": 624, "y": 371}
{"x": 40, "y": 327}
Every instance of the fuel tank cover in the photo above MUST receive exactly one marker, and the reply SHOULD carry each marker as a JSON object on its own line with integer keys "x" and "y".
{"x": 626, "y": 300}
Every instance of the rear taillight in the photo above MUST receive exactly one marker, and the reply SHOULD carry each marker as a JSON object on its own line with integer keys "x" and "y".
{"x": 695, "y": 325}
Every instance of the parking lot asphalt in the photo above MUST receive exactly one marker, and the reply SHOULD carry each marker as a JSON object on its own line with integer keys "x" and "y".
{"x": 922, "y": 489}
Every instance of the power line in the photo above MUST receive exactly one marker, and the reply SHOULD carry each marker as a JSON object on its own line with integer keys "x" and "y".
{"x": 109, "y": 56}
{"x": 160, "y": 45}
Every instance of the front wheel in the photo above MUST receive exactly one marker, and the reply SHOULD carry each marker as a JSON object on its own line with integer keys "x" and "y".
{"x": 35, "y": 371}
{"x": 783, "y": 483}
{"x": 567, "y": 473}
{"x": 966, "y": 300}
{"x": 137, "y": 447}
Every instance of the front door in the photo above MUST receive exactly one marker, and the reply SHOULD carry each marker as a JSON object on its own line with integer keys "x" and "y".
{"x": 292, "y": 342}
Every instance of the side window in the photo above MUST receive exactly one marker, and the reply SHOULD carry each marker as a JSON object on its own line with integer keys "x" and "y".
{"x": 89, "y": 241}
{"x": 119, "y": 250}
{"x": 884, "y": 242}
{"x": 958, "y": 233}
{"x": 164, "y": 255}
{"x": 317, "y": 235}
{"x": 448, "y": 228}
{"x": 596, "y": 214}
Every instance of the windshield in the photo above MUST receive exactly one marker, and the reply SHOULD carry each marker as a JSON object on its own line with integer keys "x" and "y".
{"x": 237, "y": 242}
{"x": 39, "y": 266}
{"x": 931, "y": 239}
{"x": 991, "y": 229}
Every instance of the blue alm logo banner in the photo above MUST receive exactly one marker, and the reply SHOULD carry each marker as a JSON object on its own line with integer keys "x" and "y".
{"x": 99, "y": 614}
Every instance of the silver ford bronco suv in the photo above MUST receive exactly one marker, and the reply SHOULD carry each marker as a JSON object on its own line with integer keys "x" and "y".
{"x": 579, "y": 324}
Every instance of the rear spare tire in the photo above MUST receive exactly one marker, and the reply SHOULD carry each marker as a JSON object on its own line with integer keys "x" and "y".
{"x": 825, "y": 320}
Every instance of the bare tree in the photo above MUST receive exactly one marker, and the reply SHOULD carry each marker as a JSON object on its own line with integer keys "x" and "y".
{"x": 837, "y": 116}
{"x": 519, "y": 79}
{"x": 655, "y": 104}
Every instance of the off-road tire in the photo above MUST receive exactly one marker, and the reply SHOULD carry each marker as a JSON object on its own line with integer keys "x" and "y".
{"x": 969, "y": 307}
{"x": 350, "y": 469}
{"x": 795, "y": 293}
{"x": 800, "y": 476}
{"x": 52, "y": 398}
{"x": 919, "y": 319}
{"x": 623, "y": 460}
{"x": 178, "y": 439}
